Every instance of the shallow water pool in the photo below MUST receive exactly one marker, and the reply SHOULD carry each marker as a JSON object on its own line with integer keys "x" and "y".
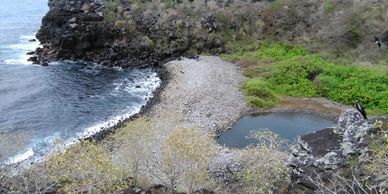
{"x": 289, "y": 125}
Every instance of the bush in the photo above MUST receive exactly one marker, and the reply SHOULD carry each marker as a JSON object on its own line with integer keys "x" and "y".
{"x": 258, "y": 93}
{"x": 134, "y": 150}
{"x": 378, "y": 158}
{"x": 86, "y": 167}
{"x": 328, "y": 6}
{"x": 345, "y": 84}
{"x": 265, "y": 163}
{"x": 294, "y": 77}
{"x": 293, "y": 71}
{"x": 186, "y": 154}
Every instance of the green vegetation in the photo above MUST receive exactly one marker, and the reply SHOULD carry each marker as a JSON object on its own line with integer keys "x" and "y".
{"x": 168, "y": 3}
{"x": 85, "y": 168}
{"x": 280, "y": 69}
{"x": 86, "y": 165}
{"x": 258, "y": 93}
{"x": 278, "y": 4}
{"x": 328, "y": 6}
{"x": 92, "y": 167}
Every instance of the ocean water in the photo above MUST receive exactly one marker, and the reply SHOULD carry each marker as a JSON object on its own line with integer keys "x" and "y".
{"x": 65, "y": 101}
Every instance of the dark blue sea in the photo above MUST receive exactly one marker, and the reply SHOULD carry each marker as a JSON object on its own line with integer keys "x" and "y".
{"x": 62, "y": 102}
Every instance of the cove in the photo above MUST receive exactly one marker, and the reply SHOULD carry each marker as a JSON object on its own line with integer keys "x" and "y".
{"x": 289, "y": 125}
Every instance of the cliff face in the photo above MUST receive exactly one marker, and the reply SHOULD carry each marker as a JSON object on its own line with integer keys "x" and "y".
{"x": 137, "y": 33}
{"x": 114, "y": 33}
{"x": 75, "y": 30}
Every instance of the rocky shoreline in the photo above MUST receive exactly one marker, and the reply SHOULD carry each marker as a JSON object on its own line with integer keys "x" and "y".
{"x": 196, "y": 92}
{"x": 333, "y": 153}
{"x": 92, "y": 30}
{"x": 189, "y": 99}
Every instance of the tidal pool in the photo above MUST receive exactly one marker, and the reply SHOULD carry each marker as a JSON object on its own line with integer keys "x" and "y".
{"x": 289, "y": 125}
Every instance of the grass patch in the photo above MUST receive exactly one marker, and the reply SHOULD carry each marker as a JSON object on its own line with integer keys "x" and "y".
{"x": 281, "y": 69}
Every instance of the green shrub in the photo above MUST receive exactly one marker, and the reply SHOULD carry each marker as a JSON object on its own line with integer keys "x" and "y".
{"x": 279, "y": 52}
{"x": 345, "y": 84}
{"x": 293, "y": 71}
{"x": 258, "y": 93}
{"x": 110, "y": 9}
{"x": 168, "y": 3}
{"x": 276, "y": 5}
{"x": 294, "y": 77}
{"x": 328, "y": 6}
{"x": 87, "y": 166}
{"x": 120, "y": 24}
{"x": 254, "y": 51}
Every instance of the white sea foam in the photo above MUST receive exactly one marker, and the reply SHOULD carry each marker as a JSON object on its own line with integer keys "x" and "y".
{"x": 148, "y": 84}
{"x": 20, "y": 49}
{"x": 20, "y": 157}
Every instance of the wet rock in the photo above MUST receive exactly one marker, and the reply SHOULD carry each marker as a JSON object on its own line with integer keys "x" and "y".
{"x": 33, "y": 59}
{"x": 32, "y": 40}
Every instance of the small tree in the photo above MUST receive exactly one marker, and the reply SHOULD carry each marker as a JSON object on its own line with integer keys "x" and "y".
{"x": 86, "y": 166}
{"x": 186, "y": 154}
{"x": 265, "y": 163}
{"x": 135, "y": 141}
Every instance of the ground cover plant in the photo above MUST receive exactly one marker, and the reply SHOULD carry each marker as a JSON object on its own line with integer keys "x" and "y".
{"x": 286, "y": 70}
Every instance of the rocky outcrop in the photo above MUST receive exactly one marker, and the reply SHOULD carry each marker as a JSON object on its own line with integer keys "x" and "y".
{"x": 320, "y": 154}
{"x": 117, "y": 33}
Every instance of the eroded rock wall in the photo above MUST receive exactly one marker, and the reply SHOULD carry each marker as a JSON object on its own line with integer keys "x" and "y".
{"x": 321, "y": 157}
{"x": 118, "y": 33}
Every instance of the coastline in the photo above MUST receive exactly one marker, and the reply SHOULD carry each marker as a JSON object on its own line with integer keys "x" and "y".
{"x": 202, "y": 94}
{"x": 168, "y": 73}
{"x": 163, "y": 75}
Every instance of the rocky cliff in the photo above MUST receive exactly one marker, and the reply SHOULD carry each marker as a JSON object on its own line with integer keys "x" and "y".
{"x": 138, "y": 33}
{"x": 338, "y": 159}
{"x": 117, "y": 33}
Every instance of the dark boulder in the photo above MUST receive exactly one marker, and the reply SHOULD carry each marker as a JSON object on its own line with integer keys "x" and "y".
{"x": 318, "y": 155}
